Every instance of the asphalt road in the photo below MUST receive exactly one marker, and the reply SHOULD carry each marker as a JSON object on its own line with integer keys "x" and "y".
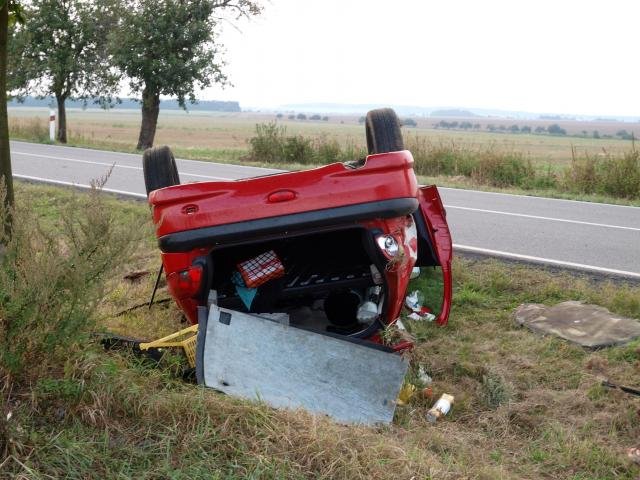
{"x": 587, "y": 236}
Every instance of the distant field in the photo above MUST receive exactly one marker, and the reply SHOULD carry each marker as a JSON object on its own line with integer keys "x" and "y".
{"x": 224, "y": 136}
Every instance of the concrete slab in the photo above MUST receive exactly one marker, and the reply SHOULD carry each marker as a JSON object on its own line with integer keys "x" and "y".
{"x": 252, "y": 357}
{"x": 587, "y": 325}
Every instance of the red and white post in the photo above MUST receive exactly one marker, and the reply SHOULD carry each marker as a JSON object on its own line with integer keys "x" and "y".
{"x": 52, "y": 125}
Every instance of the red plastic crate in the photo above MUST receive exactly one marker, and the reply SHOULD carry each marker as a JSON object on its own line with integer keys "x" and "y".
{"x": 261, "y": 269}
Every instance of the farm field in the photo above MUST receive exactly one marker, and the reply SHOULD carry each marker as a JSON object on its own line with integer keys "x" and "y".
{"x": 224, "y": 136}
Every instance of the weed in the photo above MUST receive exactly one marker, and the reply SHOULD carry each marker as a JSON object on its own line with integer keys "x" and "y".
{"x": 608, "y": 174}
{"x": 495, "y": 392}
{"x": 51, "y": 279}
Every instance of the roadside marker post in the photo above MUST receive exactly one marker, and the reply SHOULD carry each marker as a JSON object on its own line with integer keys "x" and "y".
{"x": 52, "y": 125}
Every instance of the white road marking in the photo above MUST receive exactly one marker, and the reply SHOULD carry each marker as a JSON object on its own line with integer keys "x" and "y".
{"x": 137, "y": 155}
{"x": 78, "y": 185}
{"x": 546, "y": 261}
{"x": 537, "y": 217}
{"x": 114, "y": 164}
{"x": 533, "y": 197}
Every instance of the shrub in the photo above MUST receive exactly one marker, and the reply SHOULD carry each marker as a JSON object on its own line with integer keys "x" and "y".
{"x": 615, "y": 175}
{"x": 327, "y": 151}
{"x": 503, "y": 169}
{"x": 268, "y": 143}
{"x": 271, "y": 144}
{"x": 298, "y": 149}
{"x": 555, "y": 129}
{"x": 52, "y": 278}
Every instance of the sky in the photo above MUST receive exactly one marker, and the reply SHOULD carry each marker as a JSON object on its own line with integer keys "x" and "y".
{"x": 561, "y": 56}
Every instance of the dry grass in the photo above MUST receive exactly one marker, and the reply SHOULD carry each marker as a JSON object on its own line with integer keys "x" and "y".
{"x": 221, "y": 136}
{"x": 526, "y": 406}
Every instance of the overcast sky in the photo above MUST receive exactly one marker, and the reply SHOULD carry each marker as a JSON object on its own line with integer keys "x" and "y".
{"x": 563, "y": 56}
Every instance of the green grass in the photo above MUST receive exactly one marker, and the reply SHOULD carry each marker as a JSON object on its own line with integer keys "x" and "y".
{"x": 526, "y": 406}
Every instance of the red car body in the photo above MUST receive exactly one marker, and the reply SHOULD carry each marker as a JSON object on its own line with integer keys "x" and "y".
{"x": 202, "y": 225}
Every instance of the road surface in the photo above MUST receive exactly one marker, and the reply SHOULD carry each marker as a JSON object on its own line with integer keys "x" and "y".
{"x": 581, "y": 235}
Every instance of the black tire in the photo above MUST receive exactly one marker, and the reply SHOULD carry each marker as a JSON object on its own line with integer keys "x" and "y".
{"x": 159, "y": 168}
{"x": 382, "y": 127}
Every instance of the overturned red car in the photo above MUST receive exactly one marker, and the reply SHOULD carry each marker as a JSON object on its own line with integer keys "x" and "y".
{"x": 333, "y": 247}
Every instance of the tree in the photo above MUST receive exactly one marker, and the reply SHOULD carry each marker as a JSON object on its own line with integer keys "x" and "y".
{"x": 301, "y": 116}
{"x": 514, "y": 128}
{"x": 170, "y": 48}
{"x": 10, "y": 14}
{"x": 526, "y": 129}
{"x": 61, "y": 51}
{"x": 555, "y": 129}
{"x": 315, "y": 116}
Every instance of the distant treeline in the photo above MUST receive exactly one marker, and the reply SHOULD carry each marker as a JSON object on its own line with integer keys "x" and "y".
{"x": 127, "y": 103}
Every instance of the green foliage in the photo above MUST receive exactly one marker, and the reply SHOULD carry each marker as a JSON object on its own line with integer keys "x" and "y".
{"x": 52, "y": 278}
{"x": 614, "y": 175}
{"x": 489, "y": 166}
{"x": 494, "y": 390}
{"x": 61, "y": 50}
{"x": 555, "y": 129}
{"x": 271, "y": 144}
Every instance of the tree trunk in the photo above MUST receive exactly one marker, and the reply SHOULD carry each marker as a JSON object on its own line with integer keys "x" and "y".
{"x": 62, "y": 119}
{"x": 5, "y": 154}
{"x": 150, "y": 111}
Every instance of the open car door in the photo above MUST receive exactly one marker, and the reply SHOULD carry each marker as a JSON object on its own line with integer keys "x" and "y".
{"x": 434, "y": 242}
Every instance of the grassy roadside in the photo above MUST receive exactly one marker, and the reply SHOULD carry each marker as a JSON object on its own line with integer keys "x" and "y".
{"x": 526, "y": 406}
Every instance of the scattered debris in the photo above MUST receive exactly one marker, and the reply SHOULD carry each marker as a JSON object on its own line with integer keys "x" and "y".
{"x": 246, "y": 294}
{"x": 441, "y": 408}
{"x": 427, "y": 393}
{"x": 407, "y": 392}
{"x": 136, "y": 275}
{"x": 629, "y": 390}
{"x": 423, "y": 376}
{"x": 590, "y": 326}
{"x": 634, "y": 455}
{"x": 413, "y": 302}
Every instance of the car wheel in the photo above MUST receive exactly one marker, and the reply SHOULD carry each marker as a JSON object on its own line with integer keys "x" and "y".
{"x": 159, "y": 168}
{"x": 382, "y": 127}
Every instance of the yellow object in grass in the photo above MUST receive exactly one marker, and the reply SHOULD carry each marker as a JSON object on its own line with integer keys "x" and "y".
{"x": 407, "y": 392}
{"x": 185, "y": 339}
